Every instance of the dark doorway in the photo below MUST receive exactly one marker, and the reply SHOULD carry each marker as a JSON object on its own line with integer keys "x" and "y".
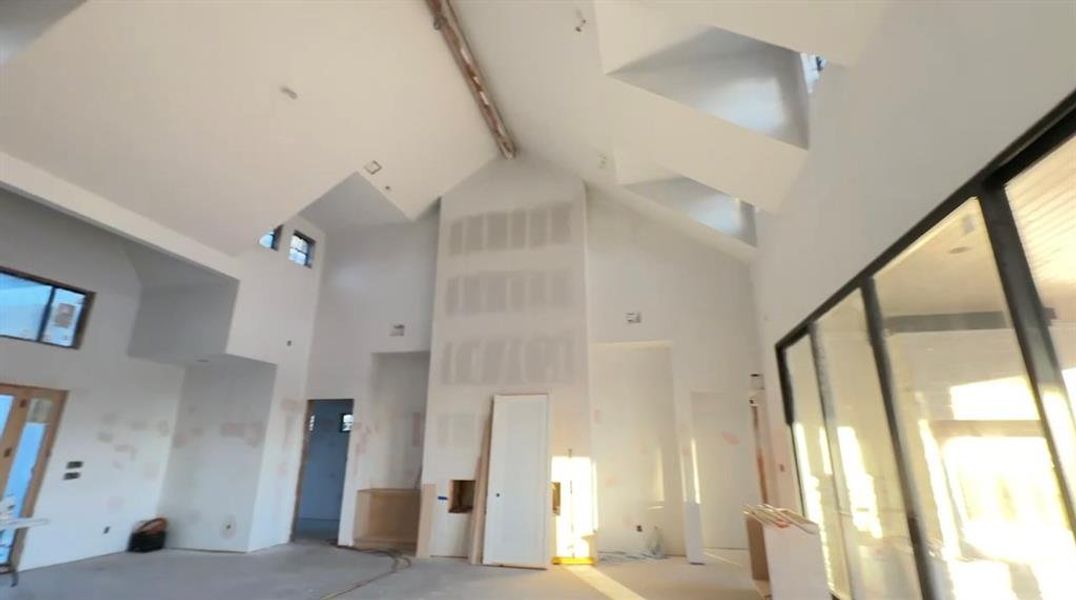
{"x": 324, "y": 462}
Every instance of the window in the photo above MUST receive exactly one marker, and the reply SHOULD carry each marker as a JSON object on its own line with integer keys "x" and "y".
{"x": 976, "y": 449}
{"x": 931, "y": 399}
{"x": 271, "y": 239}
{"x": 38, "y": 310}
{"x": 301, "y": 251}
{"x": 346, "y": 421}
{"x": 1043, "y": 201}
{"x": 818, "y": 488}
{"x": 868, "y": 488}
{"x": 813, "y": 65}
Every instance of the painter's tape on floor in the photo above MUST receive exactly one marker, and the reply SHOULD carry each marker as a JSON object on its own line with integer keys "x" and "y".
{"x": 603, "y": 583}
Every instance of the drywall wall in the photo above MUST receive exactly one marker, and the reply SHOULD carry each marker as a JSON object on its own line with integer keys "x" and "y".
{"x": 699, "y": 301}
{"x": 181, "y": 323}
{"x": 207, "y": 500}
{"x": 744, "y": 81}
{"x": 635, "y": 449}
{"x": 374, "y": 278}
{"x": 509, "y": 317}
{"x": 390, "y": 453}
{"x": 891, "y": 138}
{"x": 120, "y": 411}
{"x": 322, "y": 487}
{"x": 377, "y": 278}
{"x": 274, "y": 323}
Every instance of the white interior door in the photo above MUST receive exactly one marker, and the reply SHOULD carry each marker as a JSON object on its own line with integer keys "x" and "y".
{"x": 517, "y": 497}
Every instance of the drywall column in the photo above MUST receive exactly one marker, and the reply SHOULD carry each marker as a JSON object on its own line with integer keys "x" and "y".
{"x": 510, "y": 317}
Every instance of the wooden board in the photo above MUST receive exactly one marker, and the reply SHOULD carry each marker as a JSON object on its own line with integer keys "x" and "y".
{"x": 427, "y": 501}
{"x": 478, "y": 513}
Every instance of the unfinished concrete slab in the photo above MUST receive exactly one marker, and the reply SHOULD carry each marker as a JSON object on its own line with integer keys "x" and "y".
{"x": 314, "y": 571}
{"x": 674, "y": 577}
{"x": 304, "y": 571}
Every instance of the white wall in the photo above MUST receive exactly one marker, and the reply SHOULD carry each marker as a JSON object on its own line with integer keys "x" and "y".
{"x": 120, "y": 411}
{"x": 375, "y": 278}
{"x": 939, "y": 90}
{"x": 179, "y": 323}
{"x": 509, "y": 317}
{"x": 635, "y": 449}
{"x": 698, "y": 300}
{"x": 390, "y": 453}
{"x": 754, "y": 84}
{"x": 217, "y": 451}
{"x": 274, "y": 322}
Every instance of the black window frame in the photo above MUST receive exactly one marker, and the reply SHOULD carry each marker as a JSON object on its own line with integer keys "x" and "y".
{"x": 276, "y": 232}
{"x": 83, "y": 317}
{"x": 309, "y": 254}
{"x": 1030, "y": 319}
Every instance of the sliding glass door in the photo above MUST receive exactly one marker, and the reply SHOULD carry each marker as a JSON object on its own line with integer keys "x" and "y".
{"x": 931, "y": 400}
{"x": 873, "y": 516}
{"x": 817, "y": 485}
{"x": 992, "y": 510}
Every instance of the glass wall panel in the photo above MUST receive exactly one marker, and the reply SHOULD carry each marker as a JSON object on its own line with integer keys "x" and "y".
{"x": 1043, "y": 200}
{"x": 873, "y": 517}
{"x": 815, "y": 466}
{"x": 988, "y": 494}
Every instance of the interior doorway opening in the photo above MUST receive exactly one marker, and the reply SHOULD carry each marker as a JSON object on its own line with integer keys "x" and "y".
{"x": 327, "y": 429}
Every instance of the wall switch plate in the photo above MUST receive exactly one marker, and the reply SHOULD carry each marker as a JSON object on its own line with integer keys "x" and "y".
{"x": 634, "y": 317}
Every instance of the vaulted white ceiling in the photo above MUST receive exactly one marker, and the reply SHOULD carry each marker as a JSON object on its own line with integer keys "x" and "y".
{"x": 643, "y": 99}
{"x": 221, "y": 119}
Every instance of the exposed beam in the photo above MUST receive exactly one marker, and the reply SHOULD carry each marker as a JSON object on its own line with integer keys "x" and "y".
{"x": 444, "y": 20}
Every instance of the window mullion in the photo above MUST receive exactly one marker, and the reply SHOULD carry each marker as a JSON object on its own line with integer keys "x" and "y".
{"x": 897, "y": 435}
{"x": 1033, "y": 335}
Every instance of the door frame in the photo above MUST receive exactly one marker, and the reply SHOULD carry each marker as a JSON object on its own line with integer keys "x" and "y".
{"x": 22, "y": 395}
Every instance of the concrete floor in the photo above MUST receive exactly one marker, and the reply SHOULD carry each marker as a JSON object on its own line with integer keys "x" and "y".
{"x": 310, "y": 571}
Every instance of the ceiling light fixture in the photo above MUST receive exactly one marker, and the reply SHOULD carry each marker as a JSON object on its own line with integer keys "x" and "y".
{"x": 290, "y": 93}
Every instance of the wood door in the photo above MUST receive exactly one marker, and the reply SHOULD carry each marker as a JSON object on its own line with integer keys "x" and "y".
{"x": 29, "y": 417}
{"x": 517, "y": 497}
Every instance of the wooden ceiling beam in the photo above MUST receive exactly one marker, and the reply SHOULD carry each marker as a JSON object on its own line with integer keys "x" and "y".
{"x": 445, "y": 21}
